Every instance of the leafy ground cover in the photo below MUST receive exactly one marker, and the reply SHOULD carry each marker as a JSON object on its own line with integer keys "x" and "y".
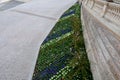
{"x": 62, "y": 54}
{"x": 63, "y": 26}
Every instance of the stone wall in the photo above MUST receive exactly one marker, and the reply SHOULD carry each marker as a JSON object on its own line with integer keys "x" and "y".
{"x": 101, "y": 29}
{"x": 117, "y": 1}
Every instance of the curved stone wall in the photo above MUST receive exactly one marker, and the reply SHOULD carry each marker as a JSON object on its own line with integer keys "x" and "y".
{"x": 101, "y": 29}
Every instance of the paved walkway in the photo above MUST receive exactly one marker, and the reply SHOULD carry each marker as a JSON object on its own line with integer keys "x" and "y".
{"x": 22, "y": 31}
{"x": 9, "y": 4}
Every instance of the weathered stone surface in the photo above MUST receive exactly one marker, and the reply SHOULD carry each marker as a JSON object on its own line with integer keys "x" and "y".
{"x": 117, "y": 1}
{"x": 102, "y": 39}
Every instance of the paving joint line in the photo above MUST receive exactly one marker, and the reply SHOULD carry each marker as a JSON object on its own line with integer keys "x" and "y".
{"x": 28, "y": 13}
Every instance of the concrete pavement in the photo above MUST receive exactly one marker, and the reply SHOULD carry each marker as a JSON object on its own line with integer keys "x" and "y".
{"x": 9, "y": 4}
{"x": 22, "y": 31}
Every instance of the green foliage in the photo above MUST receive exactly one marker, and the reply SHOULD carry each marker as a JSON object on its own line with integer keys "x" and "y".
{"x": 78, "y": 67}
{"x": 52, "y": 52}
{"x": 80, "y": 62}
{"x": 62, "y": 24}
{"x": 62, "y": 73}
{"x": 53, "y": 41}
